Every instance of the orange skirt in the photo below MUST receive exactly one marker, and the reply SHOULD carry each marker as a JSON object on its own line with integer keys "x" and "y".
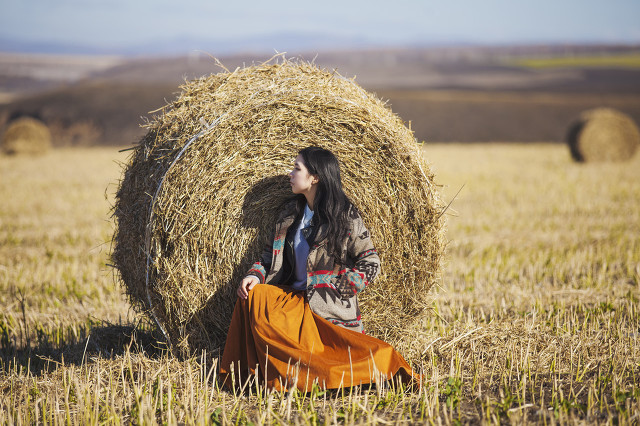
{"x": 275, "y": 337}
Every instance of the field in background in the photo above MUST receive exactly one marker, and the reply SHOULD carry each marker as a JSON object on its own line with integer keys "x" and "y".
{"x": 449, "y": 94}
{"x": 536, "y": 318}
{"x": 631, "y": 60}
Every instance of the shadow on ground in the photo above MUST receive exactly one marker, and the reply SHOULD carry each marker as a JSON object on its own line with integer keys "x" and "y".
{"x": 41, "y": 354}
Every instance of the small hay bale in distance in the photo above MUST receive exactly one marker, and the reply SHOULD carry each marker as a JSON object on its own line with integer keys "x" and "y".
{"x": 203, "y": 188}
{"x": 603, "y": 134}
{"x": 26, "y": 135}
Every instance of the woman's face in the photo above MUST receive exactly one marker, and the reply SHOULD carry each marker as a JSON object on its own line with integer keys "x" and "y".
{"x": 300, "y": 179}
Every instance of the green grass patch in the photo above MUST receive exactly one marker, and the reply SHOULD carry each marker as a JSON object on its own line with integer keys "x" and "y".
{"x": 627, "y": 60}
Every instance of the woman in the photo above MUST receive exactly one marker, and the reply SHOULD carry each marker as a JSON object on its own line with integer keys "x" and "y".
{"x": 305, "y": 327}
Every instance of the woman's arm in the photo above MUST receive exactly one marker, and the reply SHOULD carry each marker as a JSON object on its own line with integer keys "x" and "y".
{"x": 365, "y": 257}
{"x": 260, "y": 269}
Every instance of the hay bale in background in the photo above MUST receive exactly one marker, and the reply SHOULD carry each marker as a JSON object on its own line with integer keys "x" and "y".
{"x": 26, "y": 135}
{"x": 202, "y": 190}
{"x": 603, "y": 134}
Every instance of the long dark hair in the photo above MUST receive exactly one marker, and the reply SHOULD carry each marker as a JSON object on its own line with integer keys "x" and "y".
{"x": 331, "y": 205}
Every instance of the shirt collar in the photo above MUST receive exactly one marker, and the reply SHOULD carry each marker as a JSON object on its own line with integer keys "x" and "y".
{"x": 308, "y": 214}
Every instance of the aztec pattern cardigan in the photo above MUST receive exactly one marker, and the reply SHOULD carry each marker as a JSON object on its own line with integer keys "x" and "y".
{"x": 332, "y": 286}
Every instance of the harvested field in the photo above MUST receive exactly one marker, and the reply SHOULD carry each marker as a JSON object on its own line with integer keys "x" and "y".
{"x": 498, "y": 116}
{"x": 535, "y": 320}
{"x": 460, "y": 95}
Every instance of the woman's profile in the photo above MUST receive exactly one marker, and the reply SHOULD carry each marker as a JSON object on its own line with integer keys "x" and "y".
{"x": 296, "y": 321}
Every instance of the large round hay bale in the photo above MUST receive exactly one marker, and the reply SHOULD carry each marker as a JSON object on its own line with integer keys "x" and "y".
{"x": 202, "y": 190}
{"x": 603, "y": 134}
{"x": 26, "y": 135}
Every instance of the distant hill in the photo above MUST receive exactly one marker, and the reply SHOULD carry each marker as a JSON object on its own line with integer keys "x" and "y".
{"x": 459, "y": 93}
{"x": 181, "y": 45}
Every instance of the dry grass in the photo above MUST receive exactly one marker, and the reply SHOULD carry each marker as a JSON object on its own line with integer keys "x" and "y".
{"x": 536, "y": 318}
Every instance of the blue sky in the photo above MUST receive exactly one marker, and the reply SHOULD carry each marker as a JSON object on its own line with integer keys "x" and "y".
{"x": 120, "y": 23}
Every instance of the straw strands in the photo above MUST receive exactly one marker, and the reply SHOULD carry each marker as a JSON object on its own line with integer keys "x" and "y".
{"x": 603, "y": 134}
{"x": 201, "y": 192}
{"x": 26, "y": 135}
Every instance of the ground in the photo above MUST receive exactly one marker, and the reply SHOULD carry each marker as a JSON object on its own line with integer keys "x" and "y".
{"x": 535, "y": 318}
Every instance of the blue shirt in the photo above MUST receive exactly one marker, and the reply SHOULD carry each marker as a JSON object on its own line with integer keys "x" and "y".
{"x": 301, "y": 250}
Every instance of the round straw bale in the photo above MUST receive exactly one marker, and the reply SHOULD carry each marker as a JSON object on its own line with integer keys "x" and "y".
{"x": 26, "y": 135}
{"x": 603, "y": 134}
{"x": 202, "y": 190}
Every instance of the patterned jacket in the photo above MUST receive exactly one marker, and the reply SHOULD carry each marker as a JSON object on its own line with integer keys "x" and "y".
{"x": 332, "y": 286}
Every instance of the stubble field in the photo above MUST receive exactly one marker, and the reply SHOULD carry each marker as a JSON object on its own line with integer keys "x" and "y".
{"x": 536, "y": 318}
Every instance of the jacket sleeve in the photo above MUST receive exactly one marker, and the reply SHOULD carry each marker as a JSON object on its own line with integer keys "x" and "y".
{"x": 365, "y": 257}
{"x": 262, "y": 266}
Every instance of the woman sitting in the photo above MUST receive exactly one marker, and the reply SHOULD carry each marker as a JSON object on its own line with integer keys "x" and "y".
{"x": 305, "y": 326}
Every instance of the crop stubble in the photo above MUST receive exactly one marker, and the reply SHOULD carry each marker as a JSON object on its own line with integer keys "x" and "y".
{"x": 536, "y": 316}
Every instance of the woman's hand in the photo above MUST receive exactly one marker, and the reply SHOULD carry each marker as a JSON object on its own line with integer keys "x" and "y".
{"x": 246, "y": 285}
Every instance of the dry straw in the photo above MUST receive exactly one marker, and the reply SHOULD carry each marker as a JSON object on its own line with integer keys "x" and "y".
{"x": 26, "y": 135}
{"x": 603, "y": 134}
{"x": 202, "y": 190}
